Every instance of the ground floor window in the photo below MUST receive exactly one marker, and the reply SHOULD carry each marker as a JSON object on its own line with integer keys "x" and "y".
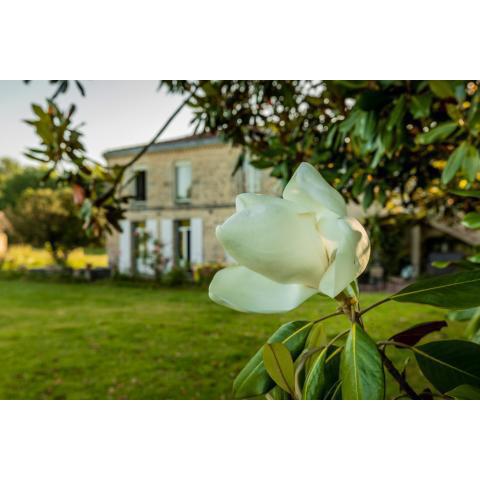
{"x": 182, "y": 232}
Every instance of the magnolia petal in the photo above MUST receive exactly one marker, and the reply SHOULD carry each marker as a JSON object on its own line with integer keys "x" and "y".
{"x": 244, "y": 290}
{"x": 270, "y": 238}
{"x": 363, "y": 245}
{"x": 247, "y": 200}
{"x": 341, "y": 241}
{"x": 309, "y": 189}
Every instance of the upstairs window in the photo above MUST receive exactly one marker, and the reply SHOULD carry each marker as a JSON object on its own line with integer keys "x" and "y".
{"x": 141, "y": 186}
{"x": 183, "y": 182}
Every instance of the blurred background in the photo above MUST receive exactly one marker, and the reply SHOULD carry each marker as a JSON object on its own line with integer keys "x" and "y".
{"x": 110, "y": 193}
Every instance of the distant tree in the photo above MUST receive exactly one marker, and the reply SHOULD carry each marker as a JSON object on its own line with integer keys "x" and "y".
{"x": 15, "y": 179}
{"x": 47, "y": 217}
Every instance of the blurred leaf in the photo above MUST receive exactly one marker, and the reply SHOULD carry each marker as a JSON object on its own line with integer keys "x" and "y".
{"x": 471, "y": 162}
{"x": 454, "y": 162}
{"x": 440, "y": 264}
{"x": 471, "y": 220}
{"x": 466, "y": 193}
{"x": 437, "y": 134}
{"x": 463, "y": 315}
{"x": 442, "y": 88}
{"x": 420, "y": 105}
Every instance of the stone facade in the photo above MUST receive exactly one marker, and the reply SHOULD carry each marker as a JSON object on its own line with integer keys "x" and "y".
{"x": 162, "y": 214}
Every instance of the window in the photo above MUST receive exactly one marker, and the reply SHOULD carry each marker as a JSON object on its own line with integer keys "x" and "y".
{"x": 183, "y": 182}
{"x": 141, "y": 186}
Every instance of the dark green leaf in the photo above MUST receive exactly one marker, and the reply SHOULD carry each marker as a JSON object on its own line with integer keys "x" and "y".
{"x": 449, "y": 363}
{"x": 279, "y": 365}
{"x": 471, "y": 220}
{"x": 361, "y": 368}
{"x": 254, "y": 380}
{"x": 457, "y": 290}
{"x": 411, "y": 336}
{"x": 465, "y": 392}
{"x": 437, "y": 134}
{"x": 322, "y": 375}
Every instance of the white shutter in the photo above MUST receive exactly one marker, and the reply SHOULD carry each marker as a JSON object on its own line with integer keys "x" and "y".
{"x": 167, "y": 241}
{"x": 151, "y": 229}
{"x": 125, "y": 247}
{"x": 196, "y": 241}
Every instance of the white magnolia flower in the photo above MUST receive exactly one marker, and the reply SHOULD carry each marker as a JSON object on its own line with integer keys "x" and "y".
{"x": 289, "y": 248}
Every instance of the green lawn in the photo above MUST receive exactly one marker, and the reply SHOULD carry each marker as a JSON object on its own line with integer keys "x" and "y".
{"x": 110, "y": 341}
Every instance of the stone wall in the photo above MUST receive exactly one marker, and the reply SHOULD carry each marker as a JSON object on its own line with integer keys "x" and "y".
{"x": 212, "y": 196}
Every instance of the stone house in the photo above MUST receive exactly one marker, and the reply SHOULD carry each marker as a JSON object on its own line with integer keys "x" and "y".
{"x": 182, "y": 189}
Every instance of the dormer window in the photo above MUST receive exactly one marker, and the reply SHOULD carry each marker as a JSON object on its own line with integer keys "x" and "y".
{"x": 140, "y": 193}
{"x": 183, "y": 182}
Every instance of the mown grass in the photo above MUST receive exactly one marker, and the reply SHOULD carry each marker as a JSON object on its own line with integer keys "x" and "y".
{"x": 100, "y": 341}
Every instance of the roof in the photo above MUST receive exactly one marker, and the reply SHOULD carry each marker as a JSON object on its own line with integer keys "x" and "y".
{"x": 190, "y": 141}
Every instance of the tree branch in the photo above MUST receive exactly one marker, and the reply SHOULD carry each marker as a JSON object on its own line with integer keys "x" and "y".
{"x": 404, "y": 385}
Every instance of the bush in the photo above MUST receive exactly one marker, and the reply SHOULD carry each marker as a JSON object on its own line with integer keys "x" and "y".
{"x": 203, "y": 274}
{"x": 176, "y": 277}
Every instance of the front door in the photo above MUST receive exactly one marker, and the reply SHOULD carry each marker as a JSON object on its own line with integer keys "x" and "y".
{"x": 182, "y": 243}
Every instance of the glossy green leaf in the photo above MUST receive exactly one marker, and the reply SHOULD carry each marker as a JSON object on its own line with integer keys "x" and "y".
{"x": 323, "y": 374}
{"x": 449, "y": 363}
{"x": 465, "y": 392}
{"x": 471, "y": 220}
{"x": 254, "y": 380}
{"x": 454, "y": 291}
{"x": 315, "y": 381}
{"x": 454, "y": 162}
{"x": 279, "y": 365}
{"x": 361, "y": 368}
{"x": 437, "y": 134}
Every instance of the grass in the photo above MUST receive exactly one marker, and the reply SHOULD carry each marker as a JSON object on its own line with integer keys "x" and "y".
{"x": 24, "y": 256}
{"x": 108, "y": 341}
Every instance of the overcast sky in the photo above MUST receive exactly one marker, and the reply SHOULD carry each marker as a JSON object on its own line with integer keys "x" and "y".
{"x": 116, "y": 114}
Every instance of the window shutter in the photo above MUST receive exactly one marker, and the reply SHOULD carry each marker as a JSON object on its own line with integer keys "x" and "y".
{"x": 167, "y": 241}
{"x": 125, "y": 247}
{"x": 152, "y": 230}
{"x": 196, "y": 240}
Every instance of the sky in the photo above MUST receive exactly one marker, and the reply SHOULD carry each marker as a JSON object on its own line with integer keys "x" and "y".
{"x": 116, "y": 114}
